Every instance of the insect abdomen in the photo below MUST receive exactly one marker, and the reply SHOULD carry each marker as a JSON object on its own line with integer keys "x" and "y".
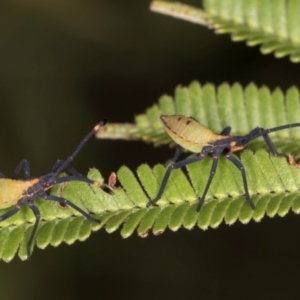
{"x": 11, "y": 190}
{"x": 188, "y": 133}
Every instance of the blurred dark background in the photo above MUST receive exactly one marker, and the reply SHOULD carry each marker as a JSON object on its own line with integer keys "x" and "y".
{"x": 66, "y": 64}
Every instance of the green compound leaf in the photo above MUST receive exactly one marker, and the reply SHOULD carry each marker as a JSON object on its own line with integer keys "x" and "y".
{"x": 273, "y": 183}
{"x": 181, "y": 11}
{"x": 273, "y": 24}
{"x": 217, "y": 107}
{"x": 57, "y": 224}
{"x": 273, "y": 186}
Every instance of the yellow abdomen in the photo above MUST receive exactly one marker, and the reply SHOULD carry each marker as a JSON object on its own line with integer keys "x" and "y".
{"x": 11, "y": 190}
{"x": 188, "y": 133}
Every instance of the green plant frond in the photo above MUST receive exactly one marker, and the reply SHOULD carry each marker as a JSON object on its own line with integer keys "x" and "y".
{"x": 273, "y": 186}
{"x": 273, "y": 24}
{"x": 180, "y": 11}
{"x": 273, "y": 183}
{"x": 116, "y": 131}
{"x": 216, "y": 107}
{"x": 57, "y": 224}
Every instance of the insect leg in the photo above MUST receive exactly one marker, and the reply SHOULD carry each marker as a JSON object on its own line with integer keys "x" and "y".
{"x": 226, "y": 131}
{"x": 174, "y": 166}
{"x": 73, "y": 171}
{"x": 24, "y": 164}
{"x": 2, "y": 175}
{"x": 176, "y": 156}
{"x": 58, "y": 163}
{"x": 69, "y": 168}
{"x": 272, "y": 146}
{"x": 240, "y": 166}
{"x": 37, "y": 215}
{"x": 211, "y": 176}
{"x": 10, "y": 213}
{"x": 64, "y": 202}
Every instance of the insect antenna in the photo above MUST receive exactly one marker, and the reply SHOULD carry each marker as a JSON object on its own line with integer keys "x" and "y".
{"x": 281, "y": 127}
{"x": 79, "y": 147}
{"x": 257, "y": 132}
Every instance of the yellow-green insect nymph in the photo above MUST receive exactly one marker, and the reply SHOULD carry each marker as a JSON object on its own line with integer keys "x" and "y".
{"x": 21, "y": 192}
{"x": 188, "y": 133}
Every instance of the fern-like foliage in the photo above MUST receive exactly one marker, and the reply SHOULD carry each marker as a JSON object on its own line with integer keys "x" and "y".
{"x": 216, "y": 108}
{"x": 273, "y": 183}
{"x": 181, "y": 11}
{"x": 273, "y": 24}
{"x": 57, "y": 224}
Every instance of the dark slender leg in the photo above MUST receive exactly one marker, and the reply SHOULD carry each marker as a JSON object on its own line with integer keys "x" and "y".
{"x": 175, "y": 157}
{"x": 74, "y": 178}
{"x": 177, "y": 165}
{"x": 2, "y": 175}
{"x": 69, "y": 168}
{"x": 211, "y": 176}
{"x": 10, "y": 213}
{"x": 24, "y": 164}
{"x": 64, "y": 201}
{"x": 226, "y": 131}
{"x": 272, "y": 147}
{"x": 57, "y": 164}
{"x": 240, "y": 166}
{"x": 78, "y": 177}
{"x": 73, "y": 171}
{"x": 37, "y": 214}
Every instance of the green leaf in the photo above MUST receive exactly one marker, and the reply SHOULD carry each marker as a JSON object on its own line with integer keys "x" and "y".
{"x": 273, "y": 182}
{"x": 274, "y": 24}
{"x": 57, "y": 224}
{"x": 218, "y": 107}
{"x": 179, "y": 10}
{"x": 276, "y": 194}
